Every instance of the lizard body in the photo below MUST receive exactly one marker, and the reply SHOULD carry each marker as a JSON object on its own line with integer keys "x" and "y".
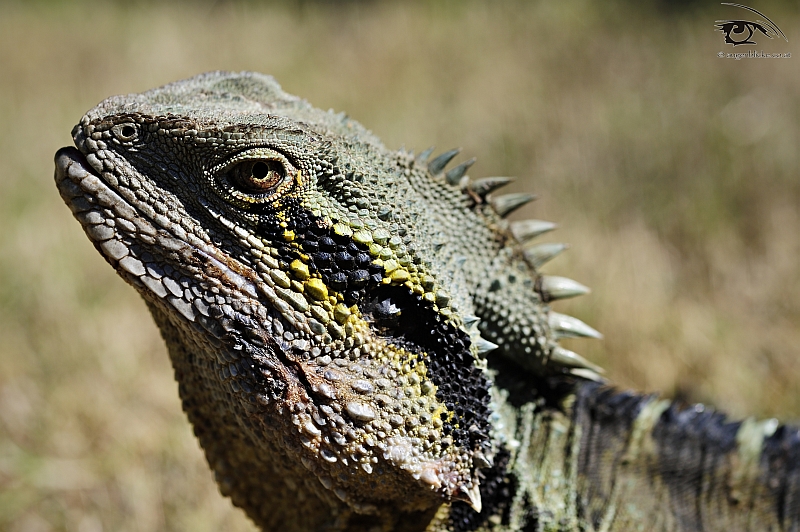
{"x": 363, "y": 342}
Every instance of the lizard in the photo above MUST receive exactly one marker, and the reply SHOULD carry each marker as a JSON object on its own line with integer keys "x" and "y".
{"x": 363, "y": 341}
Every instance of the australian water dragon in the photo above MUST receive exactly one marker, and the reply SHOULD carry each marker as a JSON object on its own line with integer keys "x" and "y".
{"x": 362, "y": 341}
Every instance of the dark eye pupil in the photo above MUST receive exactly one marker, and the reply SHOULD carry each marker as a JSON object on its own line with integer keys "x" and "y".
{"x": 127, "y": 131}
{"x": 260, "y": 170}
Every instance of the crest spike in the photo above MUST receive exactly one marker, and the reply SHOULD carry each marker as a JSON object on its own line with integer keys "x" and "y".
{"x": 436, "y": 166}
{"x": 540, "y": 254}
{"x": 471, "y": 496}
{"x": 588, "y": 374}
{"x": 422, "y": 158}
{"x": 481, "y": 461}
{"x": 470, "y": 319}
{"x": 553, "y": 287}
{"x": 484, "y": 346}
{"x": 526, "y": 230}
{"x": 565, "y": 357}
{"x": 454, "y": 175}
{"x": 569, "y": 327}
{"x": 486, "y": 185}
{"x": 507, "y": 203}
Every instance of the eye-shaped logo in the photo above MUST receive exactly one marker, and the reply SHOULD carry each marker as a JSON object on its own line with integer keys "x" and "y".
{"x": 741, "y": 31}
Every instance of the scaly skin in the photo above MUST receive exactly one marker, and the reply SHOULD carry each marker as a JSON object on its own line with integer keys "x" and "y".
{"x": 362, "y": 342}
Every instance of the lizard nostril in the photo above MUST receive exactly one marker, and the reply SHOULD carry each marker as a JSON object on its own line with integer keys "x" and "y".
{"x": 128, "y": 131}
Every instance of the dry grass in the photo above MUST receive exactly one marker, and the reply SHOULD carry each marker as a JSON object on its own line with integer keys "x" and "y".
{"x": 674, "y": 174}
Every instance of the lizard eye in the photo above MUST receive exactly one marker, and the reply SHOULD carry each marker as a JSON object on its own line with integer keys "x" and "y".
{"x": 257, "y": 176}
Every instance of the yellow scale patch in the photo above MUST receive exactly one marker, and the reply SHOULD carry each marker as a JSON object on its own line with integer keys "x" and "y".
{"x": 352, "y": 321}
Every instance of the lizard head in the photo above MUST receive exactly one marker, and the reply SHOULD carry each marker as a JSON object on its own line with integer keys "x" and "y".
{"x": 322, "y": 291}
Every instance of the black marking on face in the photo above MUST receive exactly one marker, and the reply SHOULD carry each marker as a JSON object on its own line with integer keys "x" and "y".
{"x": 402, "y": 318}
{"x": 406, "y": 320}
{"x": 383, "y": 311}
{"x": 344, "y": 265}
{"x": 497, "y": 487}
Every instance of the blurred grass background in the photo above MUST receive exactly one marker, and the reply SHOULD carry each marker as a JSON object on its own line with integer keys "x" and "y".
{"x": 673, "y": 173}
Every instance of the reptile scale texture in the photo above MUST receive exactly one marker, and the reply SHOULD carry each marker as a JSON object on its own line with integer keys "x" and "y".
{"x": 362, "y": 341}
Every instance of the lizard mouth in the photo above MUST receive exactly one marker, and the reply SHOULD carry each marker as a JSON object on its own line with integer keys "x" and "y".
{"x": 67, "y": 156}
{"x": 71, "y": 169}
{"x": 125, "y": 237}
{"x": 97, "y": 206}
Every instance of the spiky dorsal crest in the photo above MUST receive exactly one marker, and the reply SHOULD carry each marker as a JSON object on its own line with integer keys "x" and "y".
{"x": 521, "y": 234}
